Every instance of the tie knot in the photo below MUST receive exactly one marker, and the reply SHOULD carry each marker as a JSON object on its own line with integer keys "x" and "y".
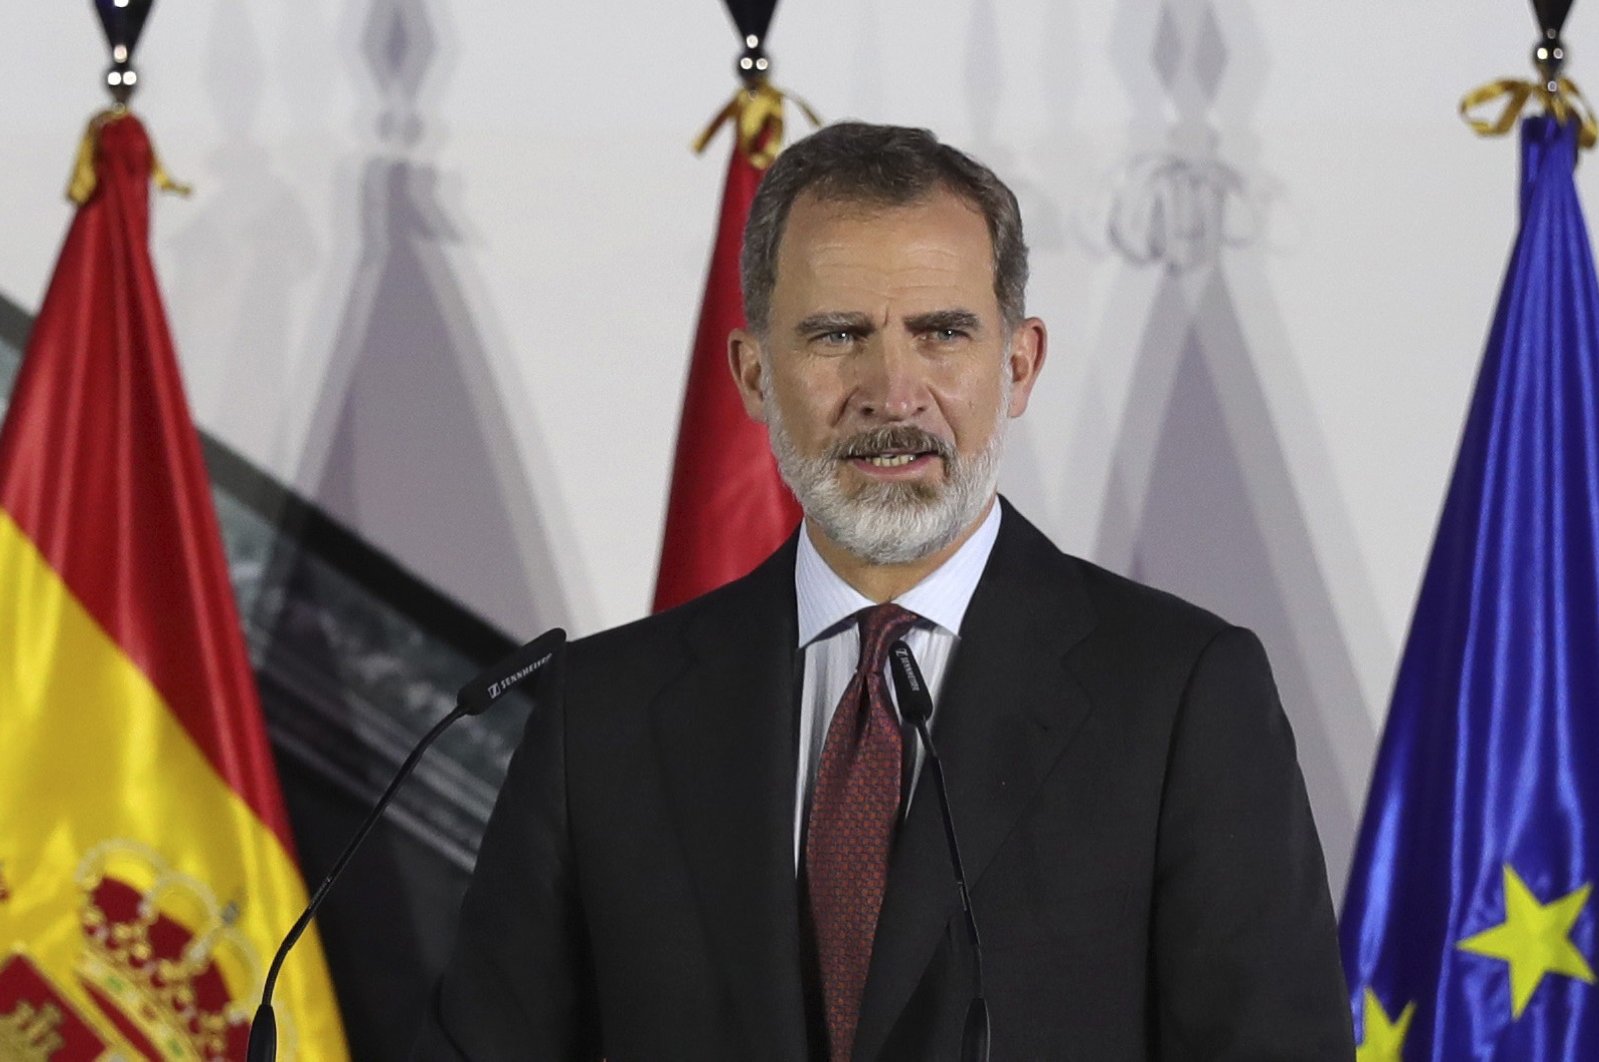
{"x": 881, "y": 626}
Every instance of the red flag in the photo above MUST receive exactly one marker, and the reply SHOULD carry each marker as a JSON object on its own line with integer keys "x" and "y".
{"x": 146, "y": 867}
{"x": 728, "y": 508}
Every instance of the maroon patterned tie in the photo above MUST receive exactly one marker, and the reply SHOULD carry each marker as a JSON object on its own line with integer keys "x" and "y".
{"x": 853, "y": 810}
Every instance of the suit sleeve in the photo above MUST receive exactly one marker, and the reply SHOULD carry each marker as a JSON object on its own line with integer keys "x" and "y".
{"x": 520, "y": 984}
{"x": 1245, "y": 951}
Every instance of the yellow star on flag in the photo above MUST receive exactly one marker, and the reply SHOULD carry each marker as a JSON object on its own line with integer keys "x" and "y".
{"x": 1384, "y": 1038}
{"x": 1534, "y": 939}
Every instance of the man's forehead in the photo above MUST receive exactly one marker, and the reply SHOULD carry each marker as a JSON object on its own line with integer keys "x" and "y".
{"x": 837, "y": 249}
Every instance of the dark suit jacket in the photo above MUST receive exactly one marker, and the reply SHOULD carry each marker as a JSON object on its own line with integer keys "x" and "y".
{"x": 1146, "y": 875}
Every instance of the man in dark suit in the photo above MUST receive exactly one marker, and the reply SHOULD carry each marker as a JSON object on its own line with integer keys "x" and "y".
{"x": 716, "y": 841}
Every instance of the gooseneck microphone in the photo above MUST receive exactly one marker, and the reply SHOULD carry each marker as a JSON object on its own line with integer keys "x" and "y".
{"x": 916, "y": 706}
{"x": 477, "y": 695}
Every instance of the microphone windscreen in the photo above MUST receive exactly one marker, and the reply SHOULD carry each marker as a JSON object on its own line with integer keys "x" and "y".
{"x": 915, "y": 702}
{"x": 515, "y": 670}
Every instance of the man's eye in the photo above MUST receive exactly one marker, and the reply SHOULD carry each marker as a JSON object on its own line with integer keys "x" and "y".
{"x": 948, "y": 335}
{"x": 836, "y": 339}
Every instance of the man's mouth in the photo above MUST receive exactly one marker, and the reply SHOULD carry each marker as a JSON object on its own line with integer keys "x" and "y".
{"x": 894, "y": 448}
{"x": 891, "y": 460}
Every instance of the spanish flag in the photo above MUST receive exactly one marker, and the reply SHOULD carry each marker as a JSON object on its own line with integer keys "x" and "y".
{"x": 146, "y": 867}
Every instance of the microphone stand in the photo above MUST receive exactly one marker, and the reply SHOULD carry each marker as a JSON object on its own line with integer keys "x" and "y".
{"x": 916, "y": 705}
{"x": 475, "y": 697}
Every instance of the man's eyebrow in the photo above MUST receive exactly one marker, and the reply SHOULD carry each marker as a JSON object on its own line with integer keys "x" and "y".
{"x": 834, "y": 321}
{"x": 938, "y": 320}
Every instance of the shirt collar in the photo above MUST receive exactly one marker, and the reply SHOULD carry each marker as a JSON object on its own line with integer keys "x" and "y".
{"x": 825, "y": 600}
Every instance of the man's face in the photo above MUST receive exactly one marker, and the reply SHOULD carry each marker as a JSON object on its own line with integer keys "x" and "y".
{"x": 887, "y": 375}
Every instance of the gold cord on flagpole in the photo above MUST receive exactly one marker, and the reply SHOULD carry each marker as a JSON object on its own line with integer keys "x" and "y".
{"x": 756, "y": 112}
{"x": 83, "y": 183}
{"x": 84, "y": 180}
{"x": 1560, "y": 98}
{"x": 164, "y": 180}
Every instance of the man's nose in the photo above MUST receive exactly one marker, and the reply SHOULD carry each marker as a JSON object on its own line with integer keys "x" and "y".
{"x": 892, "y": 384}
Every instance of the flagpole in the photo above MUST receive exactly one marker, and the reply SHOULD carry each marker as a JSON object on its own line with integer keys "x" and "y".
{"x": 148, "y": 857}
{"x": 1561, "y": 98}
{"x": 727, "y": 507}
{"x": 1467, "y": 928}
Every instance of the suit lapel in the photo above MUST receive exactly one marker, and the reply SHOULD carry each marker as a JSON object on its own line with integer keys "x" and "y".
{"x": 725, "y": 729}
{"x": 1007, "y": 710}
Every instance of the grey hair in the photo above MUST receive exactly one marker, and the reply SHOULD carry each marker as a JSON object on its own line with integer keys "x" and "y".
{"x": 878, "y": 165}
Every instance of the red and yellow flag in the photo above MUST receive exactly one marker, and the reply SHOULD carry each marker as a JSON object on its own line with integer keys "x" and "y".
{"x": 146, "y": 867}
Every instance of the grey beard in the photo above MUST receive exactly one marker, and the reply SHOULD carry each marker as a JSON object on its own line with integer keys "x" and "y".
{"x": 890, "y": 523}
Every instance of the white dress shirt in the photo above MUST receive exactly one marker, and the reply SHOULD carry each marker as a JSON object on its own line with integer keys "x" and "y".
{"x": 830, "y": 638}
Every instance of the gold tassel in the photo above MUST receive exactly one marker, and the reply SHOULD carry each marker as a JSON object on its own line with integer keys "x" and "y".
{"x": 81, "y": 188}
{"x": 84, "y": 180}
{"x": 163, "y": 180}
{"x": 1565, "y": 102}
{"x": 757, "y": 115}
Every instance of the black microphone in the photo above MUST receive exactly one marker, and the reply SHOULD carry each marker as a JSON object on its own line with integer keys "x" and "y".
{"x": 916, "y": 706}
{"x": 476, "y": 696}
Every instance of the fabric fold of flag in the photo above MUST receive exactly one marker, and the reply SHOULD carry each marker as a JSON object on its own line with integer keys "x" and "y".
{"x": 146, "y": 866}
{"x": 1468, "y": 928}
{"x": 728, "y": 508}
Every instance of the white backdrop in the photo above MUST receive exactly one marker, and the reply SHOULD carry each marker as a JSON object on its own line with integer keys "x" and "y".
{"x": 442, "y": 268}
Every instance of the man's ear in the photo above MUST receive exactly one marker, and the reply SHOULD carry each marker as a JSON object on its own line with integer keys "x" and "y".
{"x": 744, "y": 359}
{"x": 1029, "y": 343}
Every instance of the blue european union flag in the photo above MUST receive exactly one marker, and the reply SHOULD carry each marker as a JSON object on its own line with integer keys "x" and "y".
{"x": 1469, "y": 925}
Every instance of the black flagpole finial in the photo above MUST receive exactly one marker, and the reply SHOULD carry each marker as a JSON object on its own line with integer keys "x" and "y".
{"x": 1551, "y": 16}
{"x": 753, "y": 18}
{"x": 753, "y": 65}
{"x": 123, "y": 22}
{"x": 1549, "y": 56}
{"x": 1549, "y": 53}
